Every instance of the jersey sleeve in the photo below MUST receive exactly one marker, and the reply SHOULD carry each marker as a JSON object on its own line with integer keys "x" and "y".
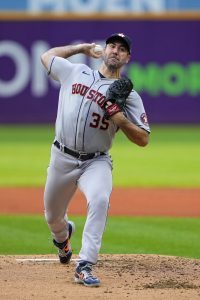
{"x": 60, "y": 68}
{"x": 135, "y": 111}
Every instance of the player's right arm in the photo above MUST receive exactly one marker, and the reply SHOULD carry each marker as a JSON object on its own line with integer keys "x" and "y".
{"x": 67, "y": 51}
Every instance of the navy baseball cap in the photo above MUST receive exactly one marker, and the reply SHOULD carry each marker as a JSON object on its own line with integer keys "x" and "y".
{"x": 120, "y": 36}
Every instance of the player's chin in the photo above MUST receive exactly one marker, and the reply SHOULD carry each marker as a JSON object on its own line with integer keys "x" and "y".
{"x": 114, "y": 64}
{"x": 113, "y": 60}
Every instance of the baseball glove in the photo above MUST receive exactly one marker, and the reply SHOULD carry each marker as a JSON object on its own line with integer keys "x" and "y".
{"x": 116, "y": 96}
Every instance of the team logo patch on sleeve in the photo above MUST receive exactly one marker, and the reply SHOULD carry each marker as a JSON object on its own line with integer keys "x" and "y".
{"x": 144, "y": 119}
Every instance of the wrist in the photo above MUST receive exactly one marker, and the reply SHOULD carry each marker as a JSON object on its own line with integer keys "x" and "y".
{"x": 111, "y": 110}
{"x": 118, "y": 118}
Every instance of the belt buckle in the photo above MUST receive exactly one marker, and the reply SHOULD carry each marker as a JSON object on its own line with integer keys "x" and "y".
{"x": 62, "y": 147}
{"x": 81, "y": 155}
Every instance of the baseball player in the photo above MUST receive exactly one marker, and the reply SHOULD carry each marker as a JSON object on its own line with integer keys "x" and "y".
{"x": 93, "y": 106}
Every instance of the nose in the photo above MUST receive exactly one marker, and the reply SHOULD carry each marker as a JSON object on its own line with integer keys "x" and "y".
{"x": 115, "y": 50}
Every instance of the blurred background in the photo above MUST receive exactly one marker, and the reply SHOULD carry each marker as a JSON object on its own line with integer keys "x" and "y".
{"x": 164, "y": 67}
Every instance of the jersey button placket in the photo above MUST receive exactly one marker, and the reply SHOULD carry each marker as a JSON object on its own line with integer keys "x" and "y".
{"x": 80, "y": 128}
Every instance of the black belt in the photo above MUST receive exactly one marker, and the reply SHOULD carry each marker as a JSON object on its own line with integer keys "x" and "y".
{"x": 78, "y": 154}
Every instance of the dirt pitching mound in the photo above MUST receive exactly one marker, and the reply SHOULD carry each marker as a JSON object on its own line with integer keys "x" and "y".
{"x": 122, "y": 276}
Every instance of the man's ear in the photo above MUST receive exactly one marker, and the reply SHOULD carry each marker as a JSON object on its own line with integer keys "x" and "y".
{"x": 128, "y": 58}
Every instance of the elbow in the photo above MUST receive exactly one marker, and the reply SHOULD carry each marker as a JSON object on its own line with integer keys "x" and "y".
{"x": 144, "y": 143}
{"x": 43, "y": 58}
{"x": 144, "y": 140}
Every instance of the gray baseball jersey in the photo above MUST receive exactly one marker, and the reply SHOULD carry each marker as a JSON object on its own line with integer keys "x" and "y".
{"x": 80, "y": 124}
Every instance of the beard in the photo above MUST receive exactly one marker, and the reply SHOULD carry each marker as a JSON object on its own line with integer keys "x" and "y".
{"x": 112, "y": 63}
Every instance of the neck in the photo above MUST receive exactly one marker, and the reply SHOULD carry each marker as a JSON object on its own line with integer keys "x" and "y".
{"x": 109, "y": 73}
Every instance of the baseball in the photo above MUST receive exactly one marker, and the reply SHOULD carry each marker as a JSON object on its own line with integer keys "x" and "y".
{"x": 98, "y": 49}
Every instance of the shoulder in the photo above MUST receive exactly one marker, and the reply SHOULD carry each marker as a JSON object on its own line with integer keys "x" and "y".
{"x": 134, "y": 96}
{"x": 61, "y": 69}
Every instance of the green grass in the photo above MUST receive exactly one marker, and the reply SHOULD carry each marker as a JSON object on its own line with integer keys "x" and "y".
{"x": 24, "y": 154}
{"x": 141, "y": 235}
{"x": 170, "y": 160}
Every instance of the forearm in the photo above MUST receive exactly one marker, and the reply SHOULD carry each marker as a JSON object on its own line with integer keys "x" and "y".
{"x": 134, "y": 133}
{"x": 67, "y": 51}
{"x": 64, "y": 51}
